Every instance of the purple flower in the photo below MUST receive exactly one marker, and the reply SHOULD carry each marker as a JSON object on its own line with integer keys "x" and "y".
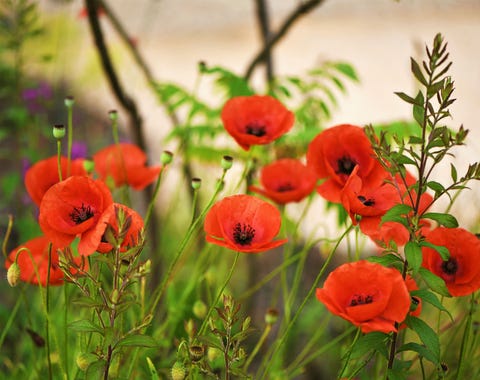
{"x": 36, "y": 97}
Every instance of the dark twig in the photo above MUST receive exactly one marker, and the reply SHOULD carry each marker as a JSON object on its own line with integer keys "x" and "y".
{"x": 264, "y": 24}
{"x": 298, "y": 12}
{"x": 125, "y": 100}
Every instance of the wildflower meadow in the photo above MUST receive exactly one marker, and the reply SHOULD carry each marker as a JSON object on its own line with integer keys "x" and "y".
{"x": 204, "y": 259}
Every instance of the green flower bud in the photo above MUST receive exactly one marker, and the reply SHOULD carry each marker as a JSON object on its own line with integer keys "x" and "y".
{"x": 199, "y": 309}
{"x": 113, "y": 115}
{"x": 13, "y": 275}
{"x": 213, "y": 353}
{"x": 69, "y": 101}
{"x": 271, "y": 316}
{"x": 88, "y": 165}
{"x": 227, "y": 162}
{"x": 59, "y": 131}
{"x": 166, "y": 157}
{"x": 83, "y": 361}
{"x": 178, "y": 371}
{"x": 196, "y": 183}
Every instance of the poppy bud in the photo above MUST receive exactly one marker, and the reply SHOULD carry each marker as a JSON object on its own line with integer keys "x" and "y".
{"x": 59, "y": 131}
{"x": 178, "y": 371}
{"x": 190, "y": 328}
{"x": 227, "y": 162}
{"x": 213, "y": 353}
{"x": 83, "y": 361}
{"x": 13, "y": 274}
{"x": 199, "y": 309}
{"x": 271, "y": 316}
{"x": 196, "y": 183}
{"x": 88, "y": 165}
{"x": 113, "y": 115}
{"x": 166, "y": 157}
{"x": 69, "y": 101}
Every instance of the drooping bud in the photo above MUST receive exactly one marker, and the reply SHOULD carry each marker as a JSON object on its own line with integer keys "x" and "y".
{"x": 59, "y": 131}
{"x": 13, "y": 275}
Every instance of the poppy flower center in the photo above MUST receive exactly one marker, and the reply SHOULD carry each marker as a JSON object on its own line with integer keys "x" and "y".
{"x": 359, "y": 299}
{"x": 81, "y": 214}
{"x": 243, "y": 234}
{"x": 285, "y": 187}
{"x": 345, "y": 165}
{"x": 365, "y": 201}
{"x": 255, "y": 129}
{"x": 450, "y": 267}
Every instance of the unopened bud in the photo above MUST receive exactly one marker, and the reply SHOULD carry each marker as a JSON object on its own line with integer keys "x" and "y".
{"x": 13, "y": 274}
{"x": 166, "y": 157}
{"x": 178, "y": 371}
{"x": 213, "y": 353}
{"x": 83, "y": 361}
{"x": 190, "y": 328}
{"x": 113, "y": 115}
{"x": 227, "y": 162}
{"x": 69, "y": 101}
{"x": 196, "y": 183}
{"x": 271, "y": 316}
{"x": 199, "y": 309}
{"x": 88, "y": 165}
{"x": 59, "y": 131}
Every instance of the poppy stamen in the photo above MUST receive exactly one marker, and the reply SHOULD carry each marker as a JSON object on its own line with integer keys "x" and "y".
{"x": 359, "y": 299}
{"x": 345, "y": 165}
{"x": 255, "y": 129}
{"x": 365, "y": 201}
{"x": 285, "y": 187}
{"x": 81, "y": 214}
{"x": 243, "y": 234}
{"x": 450, "y": 267}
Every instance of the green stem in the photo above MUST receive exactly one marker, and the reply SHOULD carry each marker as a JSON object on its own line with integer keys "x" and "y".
{"x": 59, "y": 160}
{"x": 70, "y": 137}
{"x": 219, "y": 294}
{"x": 151, "y": 204}
{"x": 47, "y": 310}
{"x": 349, "y": 353}
{"x": 257, "y": 347}
{"x": 465, "y": 339}
{"x": 282, "y": 340}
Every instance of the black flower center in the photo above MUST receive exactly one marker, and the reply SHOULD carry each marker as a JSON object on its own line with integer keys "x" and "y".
{"x": 450, "y": 266}
{"x": 345, "y": 165}
{"x": 81, "y": 214}
{"x": 256, "y": 129}
{"x": 243, "y": 234}
{"x": 365, "y": 201}
{"x": 285, "y": 187}
{"x": 359, "y": 299}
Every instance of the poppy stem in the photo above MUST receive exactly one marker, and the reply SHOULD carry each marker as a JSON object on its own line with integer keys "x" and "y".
{"x": 281, "y": 341}
{"x": 219, "y": 294}
{"x": 59, "y": 160}
{"x": 465, "y": 339}
{"x": 47, "y": 311}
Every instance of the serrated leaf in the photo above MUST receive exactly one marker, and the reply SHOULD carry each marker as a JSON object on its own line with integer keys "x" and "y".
{"x": 446, "y": 220}
{"x": 427, "y": 336}
{"x": 434, "y": 282}
{"x": 137, "y": 340}
{"x": 443, "y": 251}
{"x": 413, "y": 254}
{"x": 85, "y": 325}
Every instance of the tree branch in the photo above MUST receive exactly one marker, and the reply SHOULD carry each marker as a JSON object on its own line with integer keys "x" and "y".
{"x": 300, "y": 11}
{"x": 264, "y": 24}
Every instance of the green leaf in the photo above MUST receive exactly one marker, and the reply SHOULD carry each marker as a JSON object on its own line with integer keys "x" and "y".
{"x": 137, "y": 340}
{"x": 84, "y": 325}
{"x": 427, "y": 296}
{"x": 453, "y": 172}
{"x": 443, "y": 251}
{"x": 388, "y": 260}
{"x": 368, "y": 342}
{"x": 346, "y": 69}
{"x": 421, "y": 350}
{"x": 152, "y": 369}
{"x": 435, "y": 283}
{"x": 436, "y": 186}
{"x": 427, "y": 336}
{"x": 397, "y": 214}
{"x": 413, "y": 254}
{"x": 446, "y": 220}
{"x": 417, "y": 72}
{"x": 405, "y": 97}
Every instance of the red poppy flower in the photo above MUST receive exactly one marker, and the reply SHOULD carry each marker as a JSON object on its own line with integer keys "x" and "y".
{"x": 73, "y": 208}
{"x": 256, "y": 119}
{"x": 461, "y": 271}
{"x": 286, "y": 180}
{"x": 42, "y": 175}
{"x": 131, "y": 231}
{"x": 38, "y": 248}
{"x": 243, "y": 223}
{"x": 334, "y": 153}
{"x": 125, "y": 164}
{"x": 368, "y": 295}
